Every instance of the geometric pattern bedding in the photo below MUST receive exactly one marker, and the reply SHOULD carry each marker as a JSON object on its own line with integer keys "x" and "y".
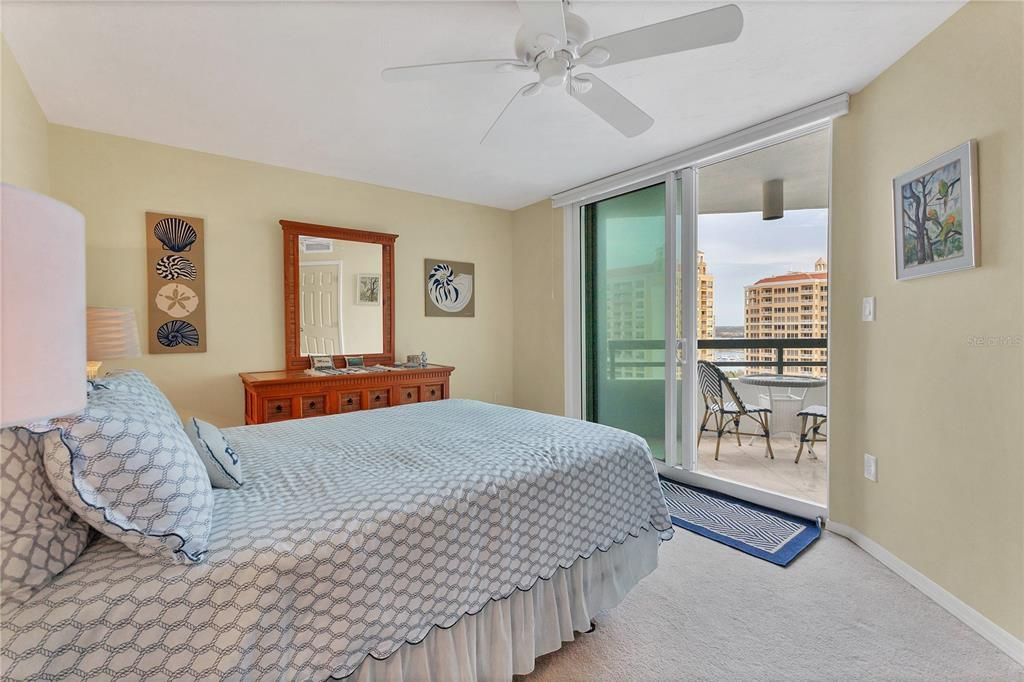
{"x": 352, "y": 535}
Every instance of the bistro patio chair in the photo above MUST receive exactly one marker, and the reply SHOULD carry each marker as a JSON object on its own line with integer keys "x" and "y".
{"x": 715, "y": 387}
{"x": 818, "y": 415}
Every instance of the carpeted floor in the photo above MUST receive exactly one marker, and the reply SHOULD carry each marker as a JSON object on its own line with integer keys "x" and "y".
{"x": 712, "y": 613}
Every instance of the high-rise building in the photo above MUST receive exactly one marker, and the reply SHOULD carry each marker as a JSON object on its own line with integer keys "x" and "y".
{"x": 705, "y": 306}
{"x": 789, "y": 306}
{"x": 635, "y": 306}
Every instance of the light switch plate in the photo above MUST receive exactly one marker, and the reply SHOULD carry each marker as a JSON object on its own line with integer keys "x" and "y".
{"x": 867, "y": 309}
{"x": 870, "y": 467}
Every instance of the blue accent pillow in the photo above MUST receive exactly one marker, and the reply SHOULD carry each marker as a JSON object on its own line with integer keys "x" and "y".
{"x": 125, "y": 465}
{"x": 216, "y": 454}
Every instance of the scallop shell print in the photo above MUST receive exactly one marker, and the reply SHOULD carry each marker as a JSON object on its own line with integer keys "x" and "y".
{"x": 448, "y": 291}
{"x": 175, "y": 234}
{"x": 177, "y": 333}
{"x": 176, "y": 267}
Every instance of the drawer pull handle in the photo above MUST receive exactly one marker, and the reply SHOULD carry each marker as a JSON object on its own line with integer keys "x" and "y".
{"x": 312, "y": 404}
{"x": 433, "y": 392}
{"x": 408, "y": 395}
{"x": 279, "y": 408}
{"x": 376, "y": 398}
{"x": 350, "y": 401}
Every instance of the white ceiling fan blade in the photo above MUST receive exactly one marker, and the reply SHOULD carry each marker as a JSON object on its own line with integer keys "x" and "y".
{"x": 547, "y": 17}
{"x": 715, "y": 26}
{"x": 451, "y": 69}
{"x": 609, "y": 104}
{"x": 526, "y": 91}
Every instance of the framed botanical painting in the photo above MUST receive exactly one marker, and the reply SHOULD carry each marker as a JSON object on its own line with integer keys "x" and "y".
{"x": 449, "y": 288}
{"x": 935, "y": 209}
{"x": 368, "y": 289}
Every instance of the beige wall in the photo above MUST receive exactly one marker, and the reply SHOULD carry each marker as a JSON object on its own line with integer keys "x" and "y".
{"x": 114, "y": 181}
{"x": 23, "y": 129}
{"x": 538, "y": 307}
{"x": 942, "y": 416}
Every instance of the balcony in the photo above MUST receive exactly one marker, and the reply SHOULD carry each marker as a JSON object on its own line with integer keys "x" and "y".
{"x": 633, "y": 396}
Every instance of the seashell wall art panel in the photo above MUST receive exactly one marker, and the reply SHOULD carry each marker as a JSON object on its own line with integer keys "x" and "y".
{"x": 450, "y": 288}
{"x": 175, "y": 263}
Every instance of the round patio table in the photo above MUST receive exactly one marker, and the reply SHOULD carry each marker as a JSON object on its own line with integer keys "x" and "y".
{"x": 786, "y": 393}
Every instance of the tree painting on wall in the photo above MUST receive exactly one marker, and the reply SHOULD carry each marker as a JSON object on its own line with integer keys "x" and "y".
{"x": 935, "y": 215}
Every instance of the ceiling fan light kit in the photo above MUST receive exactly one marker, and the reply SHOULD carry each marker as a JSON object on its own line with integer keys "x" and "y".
{"x": 553, "y": 42}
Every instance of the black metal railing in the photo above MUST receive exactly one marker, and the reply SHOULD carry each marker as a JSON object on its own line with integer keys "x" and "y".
{"x": 779, "y": 346}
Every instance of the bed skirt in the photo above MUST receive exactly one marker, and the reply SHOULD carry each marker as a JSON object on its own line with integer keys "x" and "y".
{"x": 507, "y": 636}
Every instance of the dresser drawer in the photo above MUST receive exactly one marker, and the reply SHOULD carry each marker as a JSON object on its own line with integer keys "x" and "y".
{"x": 408, "y": 394}
{"x": 277, "y": 409}
{"x": 350, "y": 402}
{"x": 431, "y": 392}
{"x": 378, "y": 397}
{"x": 313, "y": 405}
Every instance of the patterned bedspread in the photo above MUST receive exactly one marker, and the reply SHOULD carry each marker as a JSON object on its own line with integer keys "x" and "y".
{"x": 352, "y": 535}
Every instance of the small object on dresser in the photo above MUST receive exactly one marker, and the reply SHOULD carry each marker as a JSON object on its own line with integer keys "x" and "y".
{"x": 423, "y": 358}
{"x": 321, "y": 362}
{"x": 412, "y": 359}
{"x": 354, "y": 361}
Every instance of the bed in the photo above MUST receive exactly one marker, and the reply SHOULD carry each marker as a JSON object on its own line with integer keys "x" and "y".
{"x": 445, "y": 540}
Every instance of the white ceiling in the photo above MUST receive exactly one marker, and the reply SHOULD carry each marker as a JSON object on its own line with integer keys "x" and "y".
{"x": 737, "y": 185}
{"x": 298, "y": 85}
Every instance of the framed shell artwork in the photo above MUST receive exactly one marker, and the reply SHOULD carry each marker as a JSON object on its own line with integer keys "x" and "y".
{"x": 176, "y": 273}
{"x": 449, "y": 288}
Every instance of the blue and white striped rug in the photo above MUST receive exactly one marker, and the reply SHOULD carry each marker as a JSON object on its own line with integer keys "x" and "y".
{"x": 758, "y": 531}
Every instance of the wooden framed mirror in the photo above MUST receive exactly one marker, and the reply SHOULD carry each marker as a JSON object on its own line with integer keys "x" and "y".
{"x": 339, "y": 294}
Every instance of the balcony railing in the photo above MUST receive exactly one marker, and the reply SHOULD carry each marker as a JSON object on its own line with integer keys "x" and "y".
{"x": 777, "y": 346}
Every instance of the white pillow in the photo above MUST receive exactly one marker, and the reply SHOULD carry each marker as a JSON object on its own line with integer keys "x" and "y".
{"x": 39, "y": 535}
{"x": 220, "y": 460}
{"x": 125, "y": 465}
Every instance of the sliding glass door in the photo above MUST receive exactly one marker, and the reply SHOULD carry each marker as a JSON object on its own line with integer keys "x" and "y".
{"x": 724, "y": 262}
{"x": 624, "y": 271}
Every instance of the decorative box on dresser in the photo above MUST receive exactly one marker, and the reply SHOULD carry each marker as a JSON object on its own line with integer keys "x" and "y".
{"x": 294, "y": 394}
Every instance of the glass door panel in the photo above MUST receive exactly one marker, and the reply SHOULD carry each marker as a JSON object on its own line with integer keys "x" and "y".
{"x": 761, "y": 307}
{"x": 624, "y": 313}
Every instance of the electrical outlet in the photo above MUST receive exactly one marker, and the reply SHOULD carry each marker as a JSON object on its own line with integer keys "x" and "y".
{"x": 870, "y": 467}
{"x": 867, "y": 309}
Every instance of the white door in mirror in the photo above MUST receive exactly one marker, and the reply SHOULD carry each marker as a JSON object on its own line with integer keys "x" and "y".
{"x": 320, "y": 309}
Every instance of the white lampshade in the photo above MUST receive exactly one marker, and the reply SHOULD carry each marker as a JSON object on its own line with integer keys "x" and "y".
{"x": 42, "y": 307}
{"x": 111, "y": 333}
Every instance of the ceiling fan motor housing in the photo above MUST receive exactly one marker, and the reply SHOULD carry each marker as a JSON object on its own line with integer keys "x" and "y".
{"x": 531, "y": 42}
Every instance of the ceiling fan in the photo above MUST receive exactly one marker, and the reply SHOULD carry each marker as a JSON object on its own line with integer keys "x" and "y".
{"x": 554, "y": 43}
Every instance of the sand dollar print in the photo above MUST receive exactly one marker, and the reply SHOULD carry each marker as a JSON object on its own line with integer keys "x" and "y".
{"x": 177, "y": 300}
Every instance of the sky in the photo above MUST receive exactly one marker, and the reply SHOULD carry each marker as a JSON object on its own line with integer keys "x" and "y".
{"x": 739, "y": 248}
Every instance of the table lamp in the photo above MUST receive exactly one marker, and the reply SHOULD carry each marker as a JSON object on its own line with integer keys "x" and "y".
{"x": 42, "y": 307}
{"x": 112, "y": 333}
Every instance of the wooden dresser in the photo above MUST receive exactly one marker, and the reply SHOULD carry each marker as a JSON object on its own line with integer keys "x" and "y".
{"x": 293, "y": 394}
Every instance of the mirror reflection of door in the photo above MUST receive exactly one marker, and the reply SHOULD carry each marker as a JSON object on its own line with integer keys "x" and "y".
{"x": 320, "y": 296}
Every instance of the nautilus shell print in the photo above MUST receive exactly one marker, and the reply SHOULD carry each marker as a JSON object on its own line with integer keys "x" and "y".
{"x": 448, "y": 291}
{"x": 175, "y": 234}
{"x": 176, "y": 267}
{"x": 177, "y": 300}
{"x": 177, "y": 333}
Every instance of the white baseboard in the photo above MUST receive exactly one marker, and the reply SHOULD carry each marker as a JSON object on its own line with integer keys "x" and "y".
{"x": 1007, "y": 643}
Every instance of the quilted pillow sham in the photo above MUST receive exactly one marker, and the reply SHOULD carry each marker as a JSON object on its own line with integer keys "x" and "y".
{"x": 39, "y": 535}
{"x": 220, "y": 459}
{"x": 126, "y": 466}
